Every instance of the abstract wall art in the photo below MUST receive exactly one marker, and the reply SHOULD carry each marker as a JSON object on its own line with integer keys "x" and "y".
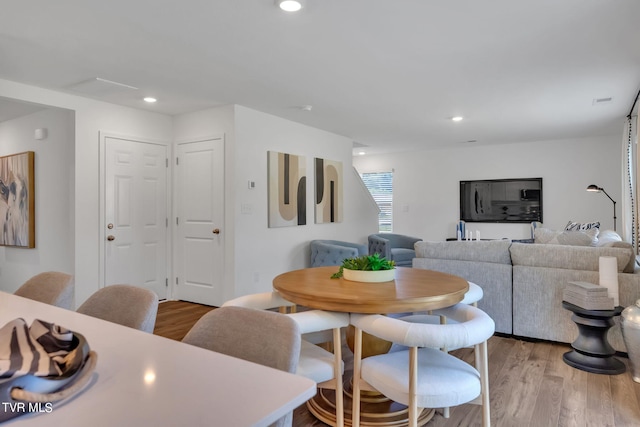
{"x": 17, "y": 202}
{"x": 328, "y": 206}
{"x": 287, "y": 189}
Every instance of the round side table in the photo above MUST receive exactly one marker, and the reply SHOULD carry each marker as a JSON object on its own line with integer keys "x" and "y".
{"x": 591, "y": 349}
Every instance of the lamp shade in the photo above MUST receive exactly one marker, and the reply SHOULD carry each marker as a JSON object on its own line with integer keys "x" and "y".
{"x": 594, "y": 188}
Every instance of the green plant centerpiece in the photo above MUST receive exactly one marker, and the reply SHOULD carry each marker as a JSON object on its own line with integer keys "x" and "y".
{"x": 366, "y": 268}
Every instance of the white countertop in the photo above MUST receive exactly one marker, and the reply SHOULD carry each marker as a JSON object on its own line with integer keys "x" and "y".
{"x": 146, "y": 380}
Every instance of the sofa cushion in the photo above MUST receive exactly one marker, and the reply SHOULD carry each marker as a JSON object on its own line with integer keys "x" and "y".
{"x": 572, "y": 238}
{"x": 584, "y": 258}
{"x": 496, "y": 251}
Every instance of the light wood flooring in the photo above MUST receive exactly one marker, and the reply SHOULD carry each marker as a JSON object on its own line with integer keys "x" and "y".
{"x": 529, "y": 383}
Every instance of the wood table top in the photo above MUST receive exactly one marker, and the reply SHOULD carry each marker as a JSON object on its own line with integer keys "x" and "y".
{"x": 412, "y": 290}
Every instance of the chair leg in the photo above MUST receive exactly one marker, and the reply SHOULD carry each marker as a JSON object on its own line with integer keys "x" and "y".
{"x": 413, "y": 384}
{"x": 445, "y": 411}
{"x": 337, "y": 353}
{"x": 357, "y": 359}
{"x": 482, "y": 365}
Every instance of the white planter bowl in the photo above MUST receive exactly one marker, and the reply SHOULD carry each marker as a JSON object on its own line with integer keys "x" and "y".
{"x": 369, "y": 276}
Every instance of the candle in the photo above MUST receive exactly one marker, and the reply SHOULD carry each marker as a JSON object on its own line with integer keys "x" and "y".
{"x": 477, "y": 234}
{"x": 609, "y": 277}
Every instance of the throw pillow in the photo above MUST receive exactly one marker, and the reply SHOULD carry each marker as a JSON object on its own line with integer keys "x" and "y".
{"x": 581, "y": 226}
{"x": 572, "y": 238}
{"x": 579, "y": 238}
{"x": 608, "y": 236}
{"x": 545, "y": 235}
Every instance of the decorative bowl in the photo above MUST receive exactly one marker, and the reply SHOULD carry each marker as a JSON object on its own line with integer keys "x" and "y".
{"x": 369, "y": 276}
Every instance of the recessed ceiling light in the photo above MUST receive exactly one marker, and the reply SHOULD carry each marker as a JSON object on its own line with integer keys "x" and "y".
{"x": 306, "y": 107}
{"x": 290, "y": 5}
{"x": 456, "y": 118}
{"x": 361, "y": 153}
{"x": 149, "y": 99}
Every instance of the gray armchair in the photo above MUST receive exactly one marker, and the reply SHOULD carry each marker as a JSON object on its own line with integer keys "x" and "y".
{"x": 332, "y": 252}
{"x": 394, "y": 247}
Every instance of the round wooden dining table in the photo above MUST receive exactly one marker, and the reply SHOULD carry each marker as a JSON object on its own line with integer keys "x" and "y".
{"x": 412, "y": 290}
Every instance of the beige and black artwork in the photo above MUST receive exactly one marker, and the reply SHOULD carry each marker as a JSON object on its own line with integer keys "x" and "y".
{"x": 287, "y": 189}
{"x": 17, "y": 206}
{"x": 328, "y": 191}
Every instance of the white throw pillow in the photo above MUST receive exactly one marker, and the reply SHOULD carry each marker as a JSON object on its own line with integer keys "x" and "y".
{"x": 608, "y": 236}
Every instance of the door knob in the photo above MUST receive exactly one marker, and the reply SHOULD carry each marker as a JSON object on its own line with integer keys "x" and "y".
{"x": 216, "y": 231}
{"x": 111, "y": 237}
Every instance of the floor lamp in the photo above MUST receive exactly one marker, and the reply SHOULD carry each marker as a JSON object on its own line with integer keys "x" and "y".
{"x": 596, "y": 189}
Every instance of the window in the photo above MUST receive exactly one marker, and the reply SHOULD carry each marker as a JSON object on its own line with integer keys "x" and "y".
{"x": 380, "y": 185}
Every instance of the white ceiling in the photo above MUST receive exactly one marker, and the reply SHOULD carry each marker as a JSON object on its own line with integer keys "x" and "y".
{"x": 387, "y": 74}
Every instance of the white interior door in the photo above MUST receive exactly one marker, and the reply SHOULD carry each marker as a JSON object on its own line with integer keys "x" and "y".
{"x": 136, "y": 218}
{"x": 200, "y": 213}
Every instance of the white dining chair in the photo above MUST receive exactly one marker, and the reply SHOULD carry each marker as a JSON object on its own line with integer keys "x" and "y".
{"x": 423, "y": 376}
{"x": 316, "y": 363}
{"x": 473, "y": 295}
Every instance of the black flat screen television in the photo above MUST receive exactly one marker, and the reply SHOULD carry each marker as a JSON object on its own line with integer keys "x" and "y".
{"x": 501, "y": 200}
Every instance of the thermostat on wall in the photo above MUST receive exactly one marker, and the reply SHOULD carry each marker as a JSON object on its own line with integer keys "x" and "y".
{"x": 40, "y": 133}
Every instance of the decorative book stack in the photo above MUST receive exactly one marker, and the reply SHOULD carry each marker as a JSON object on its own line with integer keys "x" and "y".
{"x": 588, "y": 296}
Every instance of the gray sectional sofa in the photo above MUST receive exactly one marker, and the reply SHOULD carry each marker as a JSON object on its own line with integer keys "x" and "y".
{"x": 523, "y": 282}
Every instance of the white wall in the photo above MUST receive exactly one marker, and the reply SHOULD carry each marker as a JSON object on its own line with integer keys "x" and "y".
{"x": 262, "y": 253}
{"x": 255, "y": 253}
{"x": 426, "y": 183}
{"x": 53, "y": 194}
{"x": 91, "y": 117}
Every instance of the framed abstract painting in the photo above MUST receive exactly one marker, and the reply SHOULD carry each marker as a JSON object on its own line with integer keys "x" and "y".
{"x": 17, "y": 201}
{"x": 328, "y": 206}
{"x": 287, "y": 191}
